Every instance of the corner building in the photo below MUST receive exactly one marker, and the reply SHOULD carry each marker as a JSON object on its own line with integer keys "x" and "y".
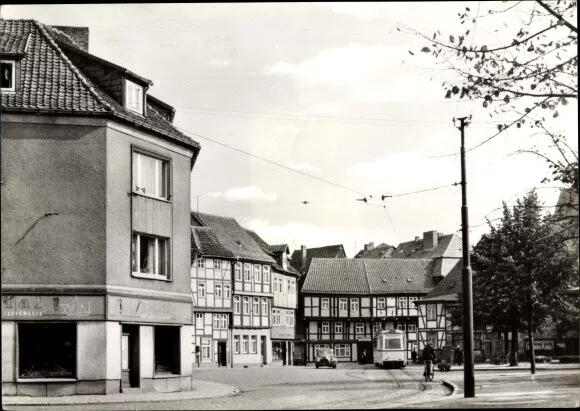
{"x": 95, "y": 222}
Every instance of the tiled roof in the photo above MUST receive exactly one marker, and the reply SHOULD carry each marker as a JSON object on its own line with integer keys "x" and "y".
{"x": 369, "y": 276}
{"x": 399, "y": 275}
{"x": 381, "y": 251}
{"x": 336, "y": 276}
{"x": 207, "y": 244}
{"x": 279, "y": 248}
{"x": 50, "y": 83}
{"x": 288, "y": 270}
{"x": 233, "y": 237}
{"x": 329, "y": 251}
{"x": 449, "y": 286}
{"x": 447, "y": 246}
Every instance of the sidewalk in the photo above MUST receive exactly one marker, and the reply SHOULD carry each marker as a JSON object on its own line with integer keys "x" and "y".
{"x": 523, "y": 366}
{"x": 201, "y": 389}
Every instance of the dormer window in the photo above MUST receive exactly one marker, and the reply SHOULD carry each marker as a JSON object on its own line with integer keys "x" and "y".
{"x": 8, "y": 75}
{"x": 133, "y": 97}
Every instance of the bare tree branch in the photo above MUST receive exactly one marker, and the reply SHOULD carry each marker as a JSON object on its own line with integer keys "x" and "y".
{"x": 558, "y": 16}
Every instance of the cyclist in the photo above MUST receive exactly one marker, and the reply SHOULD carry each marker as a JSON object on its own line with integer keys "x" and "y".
{"x": 428, "y": 359}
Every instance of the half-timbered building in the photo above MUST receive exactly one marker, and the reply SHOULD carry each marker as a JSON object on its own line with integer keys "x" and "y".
{"x": 347, "y": 300}
{"x": 285, "y": 303}
{"x": 211, "y": 288}
{"x": 252, "y": 292}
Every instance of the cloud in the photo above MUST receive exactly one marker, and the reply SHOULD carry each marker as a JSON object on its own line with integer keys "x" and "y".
{"x": 338, "y": 66}
{"x": 406, "y": 171}
{"x": 304, "y": 167}
{"x": 241, "y": 194}
{"x": 253, "y": 223}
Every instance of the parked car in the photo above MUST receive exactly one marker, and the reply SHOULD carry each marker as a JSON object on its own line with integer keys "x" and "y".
{"x": 325, "y": 357}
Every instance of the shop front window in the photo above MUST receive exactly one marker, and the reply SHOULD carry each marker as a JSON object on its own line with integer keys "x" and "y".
{"x": 47, "y": 350}
{"x": 166, "y": 350}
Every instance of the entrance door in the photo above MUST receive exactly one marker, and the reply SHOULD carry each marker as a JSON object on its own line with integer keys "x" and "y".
{"x": 365, "y": 352}
{"x": 130, "y": 376}
{"x": 264, "y": 350}
{"x": 222, "y": 358}
{"x": 284, "y": 353}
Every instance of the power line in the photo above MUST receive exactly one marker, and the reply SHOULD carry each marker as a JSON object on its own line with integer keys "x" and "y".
{"x": 418, "y": 191}
{"x": 269, "y": 161}
{"x": 332, "y": 119}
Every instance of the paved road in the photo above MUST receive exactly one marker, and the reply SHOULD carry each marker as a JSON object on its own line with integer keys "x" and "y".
{"x": 325, "y": 388}
{"x": 297, "y": 388}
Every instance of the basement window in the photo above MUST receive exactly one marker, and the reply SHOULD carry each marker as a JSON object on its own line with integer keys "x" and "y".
{"x": 47, "y": 350}
{"x": 167, "y": 350}
{"x": 8, "y": 75}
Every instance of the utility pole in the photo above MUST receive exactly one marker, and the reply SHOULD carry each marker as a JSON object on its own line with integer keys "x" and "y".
{"x": 468, "y": 370}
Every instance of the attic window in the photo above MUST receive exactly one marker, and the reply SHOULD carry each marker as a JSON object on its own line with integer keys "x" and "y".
{"x": 133, "y": 97}
{"x": 8, "y": 75}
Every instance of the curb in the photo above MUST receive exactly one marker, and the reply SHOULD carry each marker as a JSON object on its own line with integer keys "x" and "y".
{"x": 222, "y": 391}
{"x": 454, "y": 389}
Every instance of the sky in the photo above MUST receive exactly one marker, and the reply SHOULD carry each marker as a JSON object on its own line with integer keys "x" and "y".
{"x": 331, "y": 91}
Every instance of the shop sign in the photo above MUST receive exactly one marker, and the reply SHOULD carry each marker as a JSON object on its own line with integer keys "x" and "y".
{"x": 282, "y": 332}
{"x": 33, "y": 307}
{"x": 147, "y": 310}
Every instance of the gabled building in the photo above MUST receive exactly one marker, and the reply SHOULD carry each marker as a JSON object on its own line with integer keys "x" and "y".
{"x": 284, "y": 305}
{"x": 346, "y": 301}
{"x": 382, "y": 250}
{"x": 95, "y": 222}
{"x": 211, "y": 289}
{"x": 300, "y": 261}
{"x": 252, "y": 292}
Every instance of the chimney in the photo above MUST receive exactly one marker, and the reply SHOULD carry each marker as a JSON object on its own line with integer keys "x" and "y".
{"x": 430, "y": 239}
{"x": 284, "y": 261}
{"x": 303, "y": 248}
{"x": 416, "y": 238}
{"x": 371, "y": 245}
{"x": 80, "y": 35}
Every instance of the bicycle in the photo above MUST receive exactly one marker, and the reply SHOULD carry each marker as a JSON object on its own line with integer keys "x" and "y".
{"x": 429, "y": 372}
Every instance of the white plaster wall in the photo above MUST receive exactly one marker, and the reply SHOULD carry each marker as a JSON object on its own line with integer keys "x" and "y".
{"x": 113, "y": 354}
{"x": 185, "y": 347}
{"x": 91, "y": 350}
{"x": 146, "y": 351}
{"x": 8, "y": 351}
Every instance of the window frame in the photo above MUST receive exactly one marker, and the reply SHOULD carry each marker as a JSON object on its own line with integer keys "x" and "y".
{"x": 245, "y": 305}
{"x": 403, "y": 302}
{"x": 412, "y": 328}
{"x": 266, "y": 274}
{"x": 200, "y": 263}
{"x": 257, "y": 273}
{"x": 245, "y": 344}
{"x": 256, "y": 306}
{"x": 205, "y": 346}
{"x": 325, "y": 324}
{"x": 237, "y": 304}
{"x": 201, "y": 290}
{"x": 354, "y": 304}
{"x": 218, "y": 291}
{"x": 127, "y": 90}
{"x": 264, "y": 306}
{"x": 136, "y": 257}
{"x": 356, "y": 328}
{"x": 237, "y": 344}
{"x": 227, "y": 291}
{"x": 247, "y": 272}
{"x": 199, "y": 325}
{"x": 13, "y": 76}
{"x": 431, "y": 308}
{"x": 238, "y": 271}
{"x": 324, "y": 303}
{"x": 217, "y": 264}
{"x": 254, "y": 344}
{"x": 343, "y": 302}
{"x": 381, "y": 303}
{"x": 338, "y": 327}
{"x": 136, "y": 152}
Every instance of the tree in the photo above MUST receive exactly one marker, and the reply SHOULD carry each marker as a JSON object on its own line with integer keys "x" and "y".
{"x": 529, "y": 73}
{"x": 521, "y": 273}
